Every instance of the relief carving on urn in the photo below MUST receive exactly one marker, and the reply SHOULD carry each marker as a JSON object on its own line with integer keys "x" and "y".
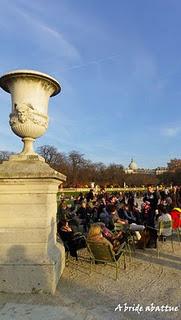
{"x": 36, "y": 122}
{"x": 30, "y": 93}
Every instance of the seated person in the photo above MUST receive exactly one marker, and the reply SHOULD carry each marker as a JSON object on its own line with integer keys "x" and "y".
{"x": 176, "y": 218}
{"x": 74, "y": 221}
{"x": 115, "y": 217}
{"x": 125, "y": 214}
{"x": 164, "y": 223}
{"x": 104, "y": 216}
{"x": 73, "y": 241}
{"x": 115, "y": 238}
{"x": 96, "y": 234}
{"x": 122, "y": 224}
{"x": 137, "y": 214}
{"x": 82, "y": 214}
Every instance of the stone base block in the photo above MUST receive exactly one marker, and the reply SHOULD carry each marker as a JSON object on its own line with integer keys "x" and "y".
{"x": 31, "y": 277}
{"x": 31, "y": 260}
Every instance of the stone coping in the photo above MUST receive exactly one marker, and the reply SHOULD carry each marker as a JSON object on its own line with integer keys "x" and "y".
{"x": 28, "y": 169}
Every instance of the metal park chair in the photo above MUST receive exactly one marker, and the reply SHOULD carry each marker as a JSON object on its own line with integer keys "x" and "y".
{"x": 103, "y": 253}
{"x": 78, "y": 242}
{"x": 163, "y": 227}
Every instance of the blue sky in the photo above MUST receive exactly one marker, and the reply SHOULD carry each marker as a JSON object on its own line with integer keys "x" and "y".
{"x": 119, "y": 64}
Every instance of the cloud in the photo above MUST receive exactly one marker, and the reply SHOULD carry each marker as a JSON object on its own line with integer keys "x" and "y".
{"x": 110, "y": 58}
{"x": 67, "y": 48}
{"x": 46, "y": 34}
{"x": 171, "y": 131}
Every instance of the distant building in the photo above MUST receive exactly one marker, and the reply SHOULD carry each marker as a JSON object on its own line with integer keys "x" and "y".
{"x": 133, "y": 168}
{"x": 146, "y": 171}
{"x": 160, "y": 170}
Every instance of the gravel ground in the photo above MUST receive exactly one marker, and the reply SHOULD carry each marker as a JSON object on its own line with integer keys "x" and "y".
{"x": 146, "y": 280}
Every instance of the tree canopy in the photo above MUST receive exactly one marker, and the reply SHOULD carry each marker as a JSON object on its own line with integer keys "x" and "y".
{"x": 81, "y": 172}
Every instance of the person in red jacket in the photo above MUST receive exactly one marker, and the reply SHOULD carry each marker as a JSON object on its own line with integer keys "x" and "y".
{"x": 176, "y": 218}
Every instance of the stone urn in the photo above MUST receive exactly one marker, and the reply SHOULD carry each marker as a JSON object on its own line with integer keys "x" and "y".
{"x": 30, "y": 92}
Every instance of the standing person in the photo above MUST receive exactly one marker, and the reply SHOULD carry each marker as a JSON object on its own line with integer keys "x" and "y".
{"x": 121, "y": 197}
{"x": 80, "y": 197}
{"x": 90, "y": 195}
{"x": 175, "y": 195}
{"x": 152, "y": 197}
{"x": 131, "y": 200}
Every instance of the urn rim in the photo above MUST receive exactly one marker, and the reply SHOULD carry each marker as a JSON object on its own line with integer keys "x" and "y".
{"x": 29, "y": 73}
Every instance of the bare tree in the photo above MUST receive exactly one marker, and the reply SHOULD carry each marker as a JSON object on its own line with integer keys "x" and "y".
{"x": 76, "y": 162}
{"x": 54, "y": 158}
{"x": 81, "y": 172}
{"x": 174, "y": 164}
{"x": 115, "y": 174}
{"x": 49, "y": 153}
{"x": 139, "y": 179}
{"x": 4, "y": 155}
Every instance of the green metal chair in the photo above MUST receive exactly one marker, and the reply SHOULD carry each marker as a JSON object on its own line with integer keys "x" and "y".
{"x": 102, "y": 252}
{"x": 164, "y": 225}
{"x": 178, "y": 232}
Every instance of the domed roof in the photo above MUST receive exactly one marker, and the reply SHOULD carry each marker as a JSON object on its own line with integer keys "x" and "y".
{"x": 133, "y": 165}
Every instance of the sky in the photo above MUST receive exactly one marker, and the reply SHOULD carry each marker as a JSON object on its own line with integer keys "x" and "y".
{"x": 119, "y": 66}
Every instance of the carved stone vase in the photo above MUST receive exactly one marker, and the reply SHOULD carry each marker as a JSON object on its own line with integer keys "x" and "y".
{"x": 30, "y": 92}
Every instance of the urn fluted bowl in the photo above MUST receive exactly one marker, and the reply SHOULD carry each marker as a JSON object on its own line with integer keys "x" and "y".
{"x": 30, "y": 92}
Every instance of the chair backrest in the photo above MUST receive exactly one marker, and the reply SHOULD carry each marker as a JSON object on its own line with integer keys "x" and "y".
{"x": 166, "y": 224}
{"x": 165, "y": 227}
{"x": 101, "y": 251}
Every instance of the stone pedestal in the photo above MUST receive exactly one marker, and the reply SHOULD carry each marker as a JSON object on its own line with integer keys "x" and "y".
{"x": 30, "y": 258}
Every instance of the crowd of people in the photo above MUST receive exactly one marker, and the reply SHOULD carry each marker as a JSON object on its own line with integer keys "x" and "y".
{"x": 111, "y": 217}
